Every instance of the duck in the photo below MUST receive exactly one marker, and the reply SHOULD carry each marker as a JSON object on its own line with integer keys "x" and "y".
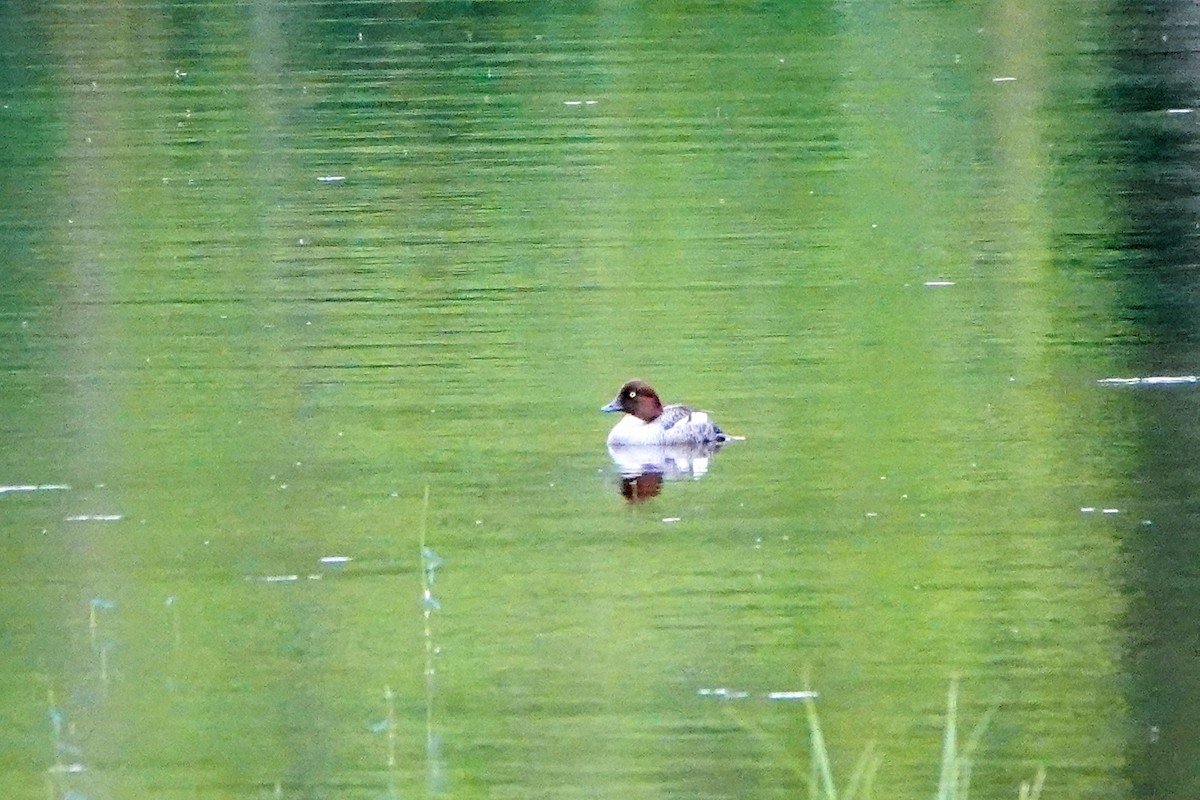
{"x": 647, "y": 422}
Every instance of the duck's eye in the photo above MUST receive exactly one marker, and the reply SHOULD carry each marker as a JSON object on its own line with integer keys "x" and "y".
{"x": 632, "y": 395}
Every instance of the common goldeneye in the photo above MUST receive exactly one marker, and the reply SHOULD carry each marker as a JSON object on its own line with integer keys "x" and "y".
{"x": 648, "y": 422}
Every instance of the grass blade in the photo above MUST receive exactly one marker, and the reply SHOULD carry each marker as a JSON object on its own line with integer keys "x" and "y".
{"x": 819, "y": 754}
{"x": 949, "y": 776}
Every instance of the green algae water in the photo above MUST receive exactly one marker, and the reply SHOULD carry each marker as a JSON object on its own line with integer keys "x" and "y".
{"x": 272, "y": 272}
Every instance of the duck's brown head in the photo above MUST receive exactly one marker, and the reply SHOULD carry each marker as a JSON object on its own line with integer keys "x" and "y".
{"x": 637, "y": 398}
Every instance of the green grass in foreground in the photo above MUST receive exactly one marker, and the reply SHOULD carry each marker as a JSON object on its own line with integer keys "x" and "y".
{"x": 954, "y": 782}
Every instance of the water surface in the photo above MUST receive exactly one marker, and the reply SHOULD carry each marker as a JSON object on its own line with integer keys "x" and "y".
{"x": 275, "y": 272}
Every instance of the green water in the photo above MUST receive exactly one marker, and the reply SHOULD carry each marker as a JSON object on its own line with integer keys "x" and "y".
{"x": 273, "y": 271}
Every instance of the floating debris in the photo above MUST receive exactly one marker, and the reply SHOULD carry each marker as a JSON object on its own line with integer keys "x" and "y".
{"x": 1004, "y": 79}
{"x": 669, "y": 520}
{"x": 331, "y": 178}
{"x": 34, "y": 487}
{"x": 284, "y": 578}
{"x": 1153, "y": 380}
{"x": 94, "y": 518}
{"x": 579, "y": 102}
{"x": 336, "y": 559}
{"x": 939, "y": 283}
{"x": 738, "y": 694}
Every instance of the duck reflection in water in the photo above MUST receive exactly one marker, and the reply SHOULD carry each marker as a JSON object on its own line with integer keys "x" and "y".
{"x": 652, "y": 442}
{"x": 644, "y": 468}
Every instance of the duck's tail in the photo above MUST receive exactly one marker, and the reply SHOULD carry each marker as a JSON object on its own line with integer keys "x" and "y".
{"x": 723, "y": 437}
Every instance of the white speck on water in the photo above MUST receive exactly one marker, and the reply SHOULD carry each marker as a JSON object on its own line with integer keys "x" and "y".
{"x": 331, "y": 178}
{"x": 802, "y": 695}
{"x": 872, "y": 514}
{"x": 1087, "y": 509}
{"x": 939, "y": 283}
{"x": 669, "y": 520}
{"x": 94, "y": 518}
{"x": 1180, "y": 110}
{"x": 1004, "y": 79}
{"x": 336, "y": 559}
{"x": 1110, "y": 511}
